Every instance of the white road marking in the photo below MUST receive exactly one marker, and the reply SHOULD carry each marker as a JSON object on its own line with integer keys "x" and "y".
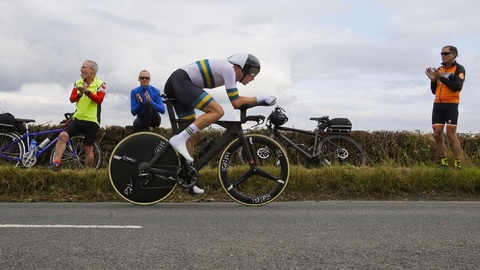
{"x": 70, "y": 226}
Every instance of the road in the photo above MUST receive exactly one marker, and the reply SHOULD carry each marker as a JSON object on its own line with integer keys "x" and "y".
{"x": 281, "y": 235}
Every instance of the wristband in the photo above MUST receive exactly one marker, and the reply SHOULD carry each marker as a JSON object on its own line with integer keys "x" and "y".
{"x": 87, "y": 93}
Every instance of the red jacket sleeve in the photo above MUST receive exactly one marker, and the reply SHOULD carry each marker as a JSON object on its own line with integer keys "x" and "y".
{"x": 74, "y": 96}
{"x": 98, "y": 97}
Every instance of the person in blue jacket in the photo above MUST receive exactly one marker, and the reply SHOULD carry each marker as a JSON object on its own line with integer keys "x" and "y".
{"x": 146, "y": 104}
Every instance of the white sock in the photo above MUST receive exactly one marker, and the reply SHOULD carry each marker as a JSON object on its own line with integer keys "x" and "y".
{"x": 178, "y": 142}
{"x": 189, "y": 131}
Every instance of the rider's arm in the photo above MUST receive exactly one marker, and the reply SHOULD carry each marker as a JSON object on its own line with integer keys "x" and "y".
{"x": 157, "y": 101}
{"x": 433, "y": 86}
{"x": 97, "y": 98}
{"x": 134, "y": 103}
{"x": 455, "y": 82}
{"x": 75, "y": 95}
{"x": 238, "y": 102}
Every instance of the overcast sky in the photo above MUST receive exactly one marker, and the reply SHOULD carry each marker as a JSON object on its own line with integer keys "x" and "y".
{"x": 364, "y": 60}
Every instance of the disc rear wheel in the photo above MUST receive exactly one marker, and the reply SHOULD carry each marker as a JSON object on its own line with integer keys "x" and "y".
{"x": 129, "y": 173}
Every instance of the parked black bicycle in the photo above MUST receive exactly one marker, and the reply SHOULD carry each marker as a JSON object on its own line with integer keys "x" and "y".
{"x": 330, "y": 144}
{"x": 144, "y": 169}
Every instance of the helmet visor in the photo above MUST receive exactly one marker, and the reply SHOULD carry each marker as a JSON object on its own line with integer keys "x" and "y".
{"x": 253, "y": 71}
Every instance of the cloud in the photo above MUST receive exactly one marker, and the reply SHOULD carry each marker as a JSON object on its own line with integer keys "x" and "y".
{"x": 359, "y": 59}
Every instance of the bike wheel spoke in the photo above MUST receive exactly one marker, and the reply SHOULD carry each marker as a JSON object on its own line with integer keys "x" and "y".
{"x": 243, "y": 178}
{"x": 257, "y": 183}
{"x": 265, "y": 174}
{"x": 74, "y": 154}
{"x": 11, "y": 147}
{"x": 341, "y": 150}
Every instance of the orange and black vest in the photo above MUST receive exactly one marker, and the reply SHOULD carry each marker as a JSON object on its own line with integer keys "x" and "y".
{"x": 447, "y": 89}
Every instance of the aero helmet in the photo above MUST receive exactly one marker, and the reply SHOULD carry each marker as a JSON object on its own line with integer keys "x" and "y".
{"x": 248, "y": 62}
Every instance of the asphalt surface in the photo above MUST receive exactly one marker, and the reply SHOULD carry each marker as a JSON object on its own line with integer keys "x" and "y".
{"x": 280, "y": 235}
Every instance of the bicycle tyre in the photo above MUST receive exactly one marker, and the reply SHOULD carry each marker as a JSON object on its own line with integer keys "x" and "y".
{"x": 124, "y": 173}
{"x": 341, "y": 150}
{"x": 74, "y": 155}
{"x": 246, "y": 185}
{"x": 10, "y": 152}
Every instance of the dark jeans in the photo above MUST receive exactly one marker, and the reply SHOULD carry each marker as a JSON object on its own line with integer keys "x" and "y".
{"x": 149, "y": 118}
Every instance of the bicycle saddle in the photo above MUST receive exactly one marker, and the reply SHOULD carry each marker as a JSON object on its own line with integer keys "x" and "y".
{"x": 320, "y": 119}
{"x": 24, "y": 120}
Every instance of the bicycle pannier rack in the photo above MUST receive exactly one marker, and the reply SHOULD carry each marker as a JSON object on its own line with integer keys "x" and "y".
{"x": 339, "y": 125}
{"x": 7, "y": 121}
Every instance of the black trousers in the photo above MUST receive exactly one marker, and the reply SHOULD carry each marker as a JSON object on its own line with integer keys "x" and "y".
{"x": 149, "y": 118}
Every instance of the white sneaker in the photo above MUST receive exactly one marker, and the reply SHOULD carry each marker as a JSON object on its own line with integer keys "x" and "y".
{"x": 180, "y": 147}
{"x": 197, "y": 190}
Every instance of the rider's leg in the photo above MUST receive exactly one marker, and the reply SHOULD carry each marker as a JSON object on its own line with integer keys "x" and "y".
{"x": 89, "y": 157}
{"x": 438, "y": 136}
{"x": 137, "y": 125}
{"x": 146, "y": 118}
{"x": 70, "y": 130}
{"x": 90, "y": 133}
{"x": 212, "y": 113}
{"x": 456, "y": 148}
{"x": 155, "y": 117}
{"x": 60, "y": 147}
{"x": 191, "y": 142}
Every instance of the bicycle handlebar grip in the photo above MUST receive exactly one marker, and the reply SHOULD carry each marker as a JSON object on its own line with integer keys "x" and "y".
{"x": 244, "y": 108}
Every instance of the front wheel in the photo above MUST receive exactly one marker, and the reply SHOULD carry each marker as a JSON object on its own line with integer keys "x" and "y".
{"x": 258, "y": 181}
{"x": 74, "y": 155}
{"x": 341, "y": 150}
{"x": 131, "y": 175}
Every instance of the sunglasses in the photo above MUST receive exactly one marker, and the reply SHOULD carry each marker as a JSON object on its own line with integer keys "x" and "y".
{"x": 144, "y": 78}
{"x": 445, "y": 53}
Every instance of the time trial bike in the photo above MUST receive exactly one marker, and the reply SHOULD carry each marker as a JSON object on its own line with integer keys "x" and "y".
{"x": 144, "y": 169}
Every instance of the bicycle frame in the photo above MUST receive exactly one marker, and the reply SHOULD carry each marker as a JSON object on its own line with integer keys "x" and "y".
{"x": 26, "y": 137}
{"x": 314, "y": 155}
{"x": 234, "y": 130}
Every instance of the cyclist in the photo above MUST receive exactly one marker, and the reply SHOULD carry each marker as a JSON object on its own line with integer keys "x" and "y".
{"x": 88, "y": 93}
{"x": 187, "y": 84}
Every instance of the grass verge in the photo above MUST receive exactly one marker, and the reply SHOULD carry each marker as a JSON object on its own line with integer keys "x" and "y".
{"x": 327, "y": 183}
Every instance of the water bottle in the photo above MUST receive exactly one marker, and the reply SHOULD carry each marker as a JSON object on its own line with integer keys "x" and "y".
{"x": 44, "y": 143}
{"x": 33, "y": 146}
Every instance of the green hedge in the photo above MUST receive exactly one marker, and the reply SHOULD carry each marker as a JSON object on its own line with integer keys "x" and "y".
{"x": 398, "y": 148}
